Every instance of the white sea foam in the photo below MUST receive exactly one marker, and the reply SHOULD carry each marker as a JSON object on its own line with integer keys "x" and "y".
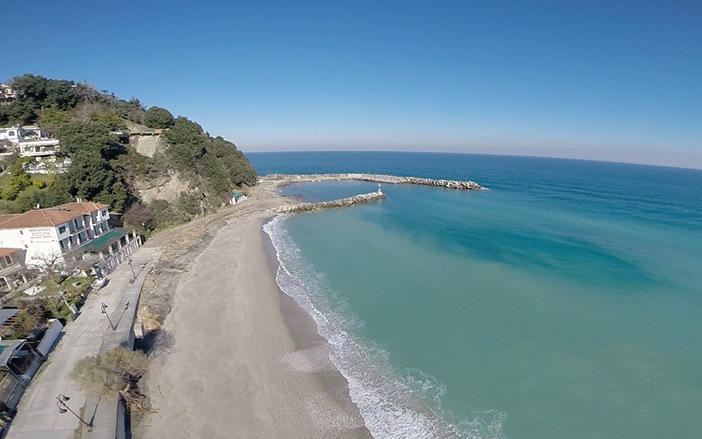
{"x": 394, "y": 404}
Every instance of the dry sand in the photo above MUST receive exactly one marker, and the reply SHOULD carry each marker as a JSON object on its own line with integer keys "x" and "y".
{"x": 237, "y": 359}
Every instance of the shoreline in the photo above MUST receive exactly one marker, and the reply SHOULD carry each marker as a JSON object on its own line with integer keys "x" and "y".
{"x": 306, "y": 338}
{"x": 236, "y": 357}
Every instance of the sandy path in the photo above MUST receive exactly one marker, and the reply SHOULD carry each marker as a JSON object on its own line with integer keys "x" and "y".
{"x": 225, "y": 371}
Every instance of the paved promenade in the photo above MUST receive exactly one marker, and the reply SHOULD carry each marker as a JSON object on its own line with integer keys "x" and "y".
{"x": 38, "y": 416}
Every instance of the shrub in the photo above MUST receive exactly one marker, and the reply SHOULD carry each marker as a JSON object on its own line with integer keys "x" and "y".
{"x": 157, "y": 117}
{"x": 110, "y": 371}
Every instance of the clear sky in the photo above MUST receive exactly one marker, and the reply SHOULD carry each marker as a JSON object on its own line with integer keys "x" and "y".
{"x": 614, "y": 80}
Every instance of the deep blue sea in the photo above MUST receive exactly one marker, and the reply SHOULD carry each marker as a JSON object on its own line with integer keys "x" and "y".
{"x": 564, "y": 302}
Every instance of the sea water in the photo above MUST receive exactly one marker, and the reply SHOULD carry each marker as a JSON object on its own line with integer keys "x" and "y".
{"x": 564, "y": 302}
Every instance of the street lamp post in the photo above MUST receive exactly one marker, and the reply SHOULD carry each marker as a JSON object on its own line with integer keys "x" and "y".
{"x": 129, "y": 261}
{"x": 103, "y": 308}
{"x": 71, "y": 308}
{"x": 63, "y": 408}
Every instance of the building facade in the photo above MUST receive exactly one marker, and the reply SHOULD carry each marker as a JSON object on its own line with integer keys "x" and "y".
{"x": 13, "y": 272}
{"x": 48, "y": 235}
{"x": 28, "y": 141}
{"x": 61, "y": 235}
{"x": 7, "y": 94}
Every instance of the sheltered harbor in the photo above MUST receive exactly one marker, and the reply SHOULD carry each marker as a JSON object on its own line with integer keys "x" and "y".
{"x": 283, "y": 179}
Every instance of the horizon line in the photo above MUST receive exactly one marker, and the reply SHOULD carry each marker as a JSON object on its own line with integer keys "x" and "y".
{"x": 621, "y": 162}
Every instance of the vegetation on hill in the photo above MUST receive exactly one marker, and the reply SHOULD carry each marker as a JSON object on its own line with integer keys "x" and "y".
{"x": 105, "y": 170}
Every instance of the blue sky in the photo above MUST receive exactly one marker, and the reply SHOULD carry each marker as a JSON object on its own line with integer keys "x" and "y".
{"x": 612, "y": 80}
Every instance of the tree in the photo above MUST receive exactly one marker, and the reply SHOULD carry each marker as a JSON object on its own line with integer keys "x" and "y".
{"x": 157, "y": 117}
{"x": 81, "y": 136}
{"x": 51, "y": 118}
{"x": 29, "y": 198}
{"x": 52, "y": 264}
{"x": 30, "y": 88}
{"x": 91, "y": 177}
{"x": 109, "y": 119}
{"x": 40, "y": 91}
{"x": 110, "y": 371}
{"x": 34, "y": 95}
{"x": 19, "y": 181}
{"x": 61, "y": 94}
{"x": 17, "y": 112}
{"x": 140, "y": 217}
{"x": 234, "y": 164}
{"x": 57, "y": 193}
{"x": 186, "y": 144}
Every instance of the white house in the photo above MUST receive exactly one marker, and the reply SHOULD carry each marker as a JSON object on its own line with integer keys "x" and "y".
{"x": 28, "y": 141}
{"x": 7, "y": 94}
{"x": 9, "y": 136}
{"x": 71, "y": 231}
{"x": 48, "y": 235}
{"x": 12, "y": 269}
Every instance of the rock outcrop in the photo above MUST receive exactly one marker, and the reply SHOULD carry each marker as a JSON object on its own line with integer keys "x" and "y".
{"x": 147, "y": 145}
{"x": 167, "y": 188}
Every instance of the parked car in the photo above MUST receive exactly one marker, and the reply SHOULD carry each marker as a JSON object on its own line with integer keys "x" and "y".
{"x": 99, "y": 283}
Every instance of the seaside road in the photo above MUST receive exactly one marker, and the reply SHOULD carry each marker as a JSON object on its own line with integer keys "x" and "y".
{"x": 38, "y": 415}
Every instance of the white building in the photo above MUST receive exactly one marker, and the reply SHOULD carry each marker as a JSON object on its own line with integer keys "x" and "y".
{"x": 7, "y": 94}
{"x": 28, "y": 141}
{"x": 48, "y": 235}
{"x": 69, "y": 232}
{"x": 12, "y": 269}
{"x": 237, "y": 197}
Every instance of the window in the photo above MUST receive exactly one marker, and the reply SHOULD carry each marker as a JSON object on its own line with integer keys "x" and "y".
{"x": 62, "y": 229}
{"x": 8, "y": 260}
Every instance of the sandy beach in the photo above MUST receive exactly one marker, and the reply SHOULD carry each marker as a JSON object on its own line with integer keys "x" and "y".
{"x": 235, "y": 358}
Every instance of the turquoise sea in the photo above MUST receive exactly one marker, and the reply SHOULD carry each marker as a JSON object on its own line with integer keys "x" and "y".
{"x": 564, "y": 302}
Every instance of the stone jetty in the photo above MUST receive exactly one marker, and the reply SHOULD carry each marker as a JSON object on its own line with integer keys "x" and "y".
{"x": 343, "y": 202}
{"x": 387, "y": 179}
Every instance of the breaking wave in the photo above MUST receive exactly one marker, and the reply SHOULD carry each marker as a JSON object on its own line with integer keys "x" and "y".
{"x": 395, "y": 404}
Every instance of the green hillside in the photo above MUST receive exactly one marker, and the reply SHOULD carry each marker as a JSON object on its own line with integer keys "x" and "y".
{"x": 185, "y": 173}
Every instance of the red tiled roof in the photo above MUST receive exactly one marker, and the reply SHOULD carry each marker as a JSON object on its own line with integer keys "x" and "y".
{"x": 39, "y": 218}
{"x": 81, "y": 206}
{"x": 50, "y": 217}
{"x": 7, "y": 251}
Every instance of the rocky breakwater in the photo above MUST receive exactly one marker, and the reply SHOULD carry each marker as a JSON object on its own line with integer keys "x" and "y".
{"x": 377, "y": 178}
{"x": 334, "y": 204}
{"x": 451, "y": 184}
